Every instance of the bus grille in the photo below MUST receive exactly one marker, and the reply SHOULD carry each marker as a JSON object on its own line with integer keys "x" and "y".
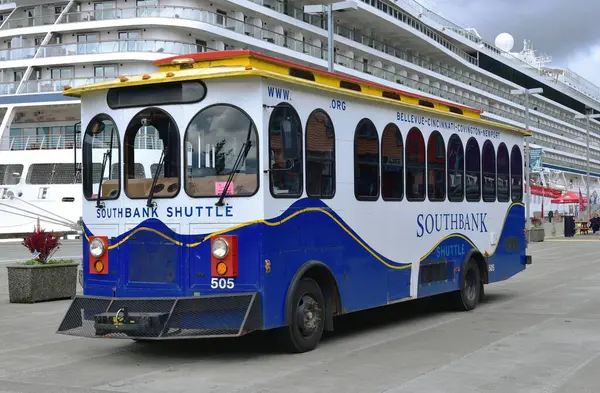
{"x": 163, "y": 318}
{"x": 152, "y": 259}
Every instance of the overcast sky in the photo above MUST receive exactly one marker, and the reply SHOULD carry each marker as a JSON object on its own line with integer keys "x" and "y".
{"x": 567, "y": 30}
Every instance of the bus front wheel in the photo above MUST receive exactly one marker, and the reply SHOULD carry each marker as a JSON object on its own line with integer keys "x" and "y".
{"x": 467, "y": 297}
{"x": 307, "y": 319}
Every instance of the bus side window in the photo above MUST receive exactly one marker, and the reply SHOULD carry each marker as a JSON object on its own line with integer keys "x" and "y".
{"x": 366, "y": 161}
{"x": 214, "y": 139}
{"x": 320, "y": 155}
{"x": 436, "y": 167}
{"x": 473, "y": 171}
{"x": 503, "y": 174}
{"x": 456, "y": 169}
{"x": 285, "y": 145}
{"x": 415, "y": 166}
{"x": 392, "y": 164}
{"x": 516, "y": 174}
{"x": 488, "y": 159}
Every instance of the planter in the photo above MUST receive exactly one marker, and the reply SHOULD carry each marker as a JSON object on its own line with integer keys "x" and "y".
{"x": 37, "y": 283}
{"x": 535, "y": 235}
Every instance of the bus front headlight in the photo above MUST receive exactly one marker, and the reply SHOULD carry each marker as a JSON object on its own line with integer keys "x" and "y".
{"x": 220, "y": 248}
{"x": 97, "y": 248}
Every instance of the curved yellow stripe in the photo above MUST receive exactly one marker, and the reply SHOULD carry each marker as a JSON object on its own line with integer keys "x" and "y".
{"x": 306, "y": 210}
{"x": 148, "y": 230}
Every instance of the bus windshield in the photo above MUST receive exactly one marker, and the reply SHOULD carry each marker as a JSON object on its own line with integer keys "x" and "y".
{"x": 214, "y": 140}
{"x": 101, "y": 159}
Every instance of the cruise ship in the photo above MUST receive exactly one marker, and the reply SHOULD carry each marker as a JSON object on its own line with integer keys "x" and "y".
{"x": 46, "y": 46}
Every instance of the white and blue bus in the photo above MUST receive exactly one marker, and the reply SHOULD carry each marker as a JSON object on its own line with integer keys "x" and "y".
{"x": 230, "y": 192}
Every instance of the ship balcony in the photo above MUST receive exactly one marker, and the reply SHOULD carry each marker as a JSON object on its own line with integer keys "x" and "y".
{"x": 44, "y": 85}
{"x": 117, "y": 46}
{"x": 19, "y": 23}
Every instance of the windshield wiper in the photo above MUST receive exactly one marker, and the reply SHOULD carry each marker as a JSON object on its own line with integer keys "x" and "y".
{"x": 240, "y": 157}
{"x": 149, "y": 203}
{"x": 107, "y": 155}
{"x": 104, "y": 157}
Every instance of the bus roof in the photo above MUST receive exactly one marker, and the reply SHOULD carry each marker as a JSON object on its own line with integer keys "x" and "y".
{"x": 235, "y": 63}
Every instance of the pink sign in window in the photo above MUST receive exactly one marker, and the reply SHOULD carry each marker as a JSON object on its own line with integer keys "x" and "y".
{"x": 220, "y": 186}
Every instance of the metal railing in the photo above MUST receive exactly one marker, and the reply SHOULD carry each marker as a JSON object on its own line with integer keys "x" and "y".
{"x": 117, "y": 46}
{"x": 38, "y": 142}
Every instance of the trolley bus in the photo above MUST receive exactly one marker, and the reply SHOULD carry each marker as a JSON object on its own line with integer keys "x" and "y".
{"x": 230, "y": 192}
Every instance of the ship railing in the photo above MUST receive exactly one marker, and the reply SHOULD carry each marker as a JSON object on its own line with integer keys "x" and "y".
{"x": 39, "y": 142}
{"x": 27, "y": 52}
{"x": 56, "y": 85}
{"x": 114, "y": 46}
{"x": 41, "y": 20}
{"x": 188, "y": 13}
{"x": 65, "y": 141}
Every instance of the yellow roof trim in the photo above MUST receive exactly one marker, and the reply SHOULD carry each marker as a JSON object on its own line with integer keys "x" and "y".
{"x": 248, "y": 65}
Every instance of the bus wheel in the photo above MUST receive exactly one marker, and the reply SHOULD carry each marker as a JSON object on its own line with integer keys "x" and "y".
{"x": 308, "y": 317}
{"x": 470, "y": 287}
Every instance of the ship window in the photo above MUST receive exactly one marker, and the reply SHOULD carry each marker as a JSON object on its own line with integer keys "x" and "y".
{"x": 456, "y": 169}
{"x": 516, "y": 174}
{"x": 473, "y": 171}
{"x": 52, "y": 174}
{"x": 285, "y": 152}
{"x": 100, "y": 145}
{"x": 320, "y": 155}
{"x": 488, "y": 160}
{"x": 392, "y": 164}
{"x": 436, "y": 167}
{"x": 415, "y": 166}
{"x": 156, "y": 94}
{"x": 215, "y": 138}
{"x": 10, "y": 174}
{"x": 152, "y": 136}
{"x": 503, "y": 174}
{"x": 366, "y": 161}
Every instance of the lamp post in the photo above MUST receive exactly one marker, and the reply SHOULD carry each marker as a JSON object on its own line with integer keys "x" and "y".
{"x": 329, "y": 9}
{"x": 527, "y": 92}
{"x": 588, "y": 115}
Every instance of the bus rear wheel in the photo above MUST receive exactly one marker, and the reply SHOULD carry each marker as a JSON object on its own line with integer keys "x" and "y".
{"x": 307, "y": 318}
{"x": 468, "y": 296}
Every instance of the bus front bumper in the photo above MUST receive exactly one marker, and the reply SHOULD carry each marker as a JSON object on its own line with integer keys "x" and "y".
{"x": 227, "y": 315}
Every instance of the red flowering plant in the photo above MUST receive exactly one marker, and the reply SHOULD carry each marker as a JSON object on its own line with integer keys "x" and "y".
{"x": 42, "y": 246}
{"x": 536, "y": 222}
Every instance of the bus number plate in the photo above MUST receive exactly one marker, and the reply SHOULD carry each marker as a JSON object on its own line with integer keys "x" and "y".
{"x": 222, "y": 283}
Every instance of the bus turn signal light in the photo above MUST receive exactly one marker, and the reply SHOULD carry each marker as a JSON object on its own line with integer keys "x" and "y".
{"x": 224, "y": 256}
{"x": 221, "y": 268}
{"x": 98, "y": 264}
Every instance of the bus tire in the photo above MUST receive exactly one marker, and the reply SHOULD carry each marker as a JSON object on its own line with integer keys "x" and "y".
{"x": 307, "y": 319}
{"x": 470, "y": 287}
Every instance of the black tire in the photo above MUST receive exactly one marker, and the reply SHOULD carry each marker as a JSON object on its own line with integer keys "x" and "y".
{"x": 467, "y": 297}
{"x": 303, "y": 335}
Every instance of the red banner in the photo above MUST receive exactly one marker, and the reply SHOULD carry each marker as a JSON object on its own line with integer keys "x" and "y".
{"x": 544, "y": 191}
